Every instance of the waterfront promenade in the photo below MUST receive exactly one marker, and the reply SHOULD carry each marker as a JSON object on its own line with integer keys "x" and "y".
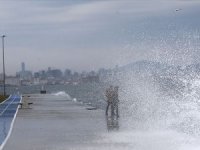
{"x": 57, "y": 123}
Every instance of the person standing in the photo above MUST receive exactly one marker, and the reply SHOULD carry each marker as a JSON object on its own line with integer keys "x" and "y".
{"x": 109, "y": 97}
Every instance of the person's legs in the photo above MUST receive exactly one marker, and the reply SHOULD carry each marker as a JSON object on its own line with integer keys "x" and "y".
{"x": 108, "y": 104}
{"x": 112, "y": 109}
{"x": 117, "y": 110}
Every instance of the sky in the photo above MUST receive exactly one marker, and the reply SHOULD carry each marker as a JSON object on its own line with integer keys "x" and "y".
{"x": 92, "y": 34}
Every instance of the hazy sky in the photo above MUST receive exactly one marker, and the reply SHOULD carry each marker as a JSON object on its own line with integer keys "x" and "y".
{"x": 88, "y": 34}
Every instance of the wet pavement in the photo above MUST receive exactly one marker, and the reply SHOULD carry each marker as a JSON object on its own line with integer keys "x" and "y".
{"x": 57, "y": 123}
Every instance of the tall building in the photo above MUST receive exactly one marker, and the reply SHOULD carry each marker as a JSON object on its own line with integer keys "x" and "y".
{"x": 24, "y": 74}
{"x": 23, "y": 67}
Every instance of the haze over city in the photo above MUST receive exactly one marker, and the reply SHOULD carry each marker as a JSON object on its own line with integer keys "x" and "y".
{"x": 88, "y": 35}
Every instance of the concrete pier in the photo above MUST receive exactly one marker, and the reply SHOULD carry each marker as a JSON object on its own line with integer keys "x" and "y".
{"x": 57, "y": 123}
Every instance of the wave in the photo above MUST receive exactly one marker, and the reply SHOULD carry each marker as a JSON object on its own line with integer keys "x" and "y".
{"x": 63, "y": 94}
{"x": 161, "y": 102}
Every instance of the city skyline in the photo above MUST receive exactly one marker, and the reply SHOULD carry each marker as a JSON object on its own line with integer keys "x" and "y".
{"x": 22, "y": 68}
{"x": 88, "y": 35}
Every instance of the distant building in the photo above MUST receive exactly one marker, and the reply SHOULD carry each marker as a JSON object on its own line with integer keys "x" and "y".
{"x": 25, "y": 82}
{"x": 43, "y": 74}
{"x": 23, "y": 66}
{"x": 24, "y": 74}
{"x": 12, "y": 81}
{"x": 90, "y": 79}
{"x": 75, "y": 77}
{"x": 43, "y": 81}
{"x": 36, "y": 75}
{"x": 56, "y": 73}
{"x": 36, "y": 81}
{"x": 68, "y": 74}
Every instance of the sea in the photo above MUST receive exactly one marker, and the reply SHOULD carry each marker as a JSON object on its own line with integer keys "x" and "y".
{"x": 86, "y": 93}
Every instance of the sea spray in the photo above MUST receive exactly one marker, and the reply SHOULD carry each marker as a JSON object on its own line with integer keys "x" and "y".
{"x": 62, "y": 94}
{"x": 167, "y": 99}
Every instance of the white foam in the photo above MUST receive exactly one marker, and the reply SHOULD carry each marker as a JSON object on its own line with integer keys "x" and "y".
{"x": 62, "y": 94}
{"x": 74, "y": 99}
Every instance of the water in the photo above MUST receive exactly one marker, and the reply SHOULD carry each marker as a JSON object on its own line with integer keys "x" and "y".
{"x": 159, "y": 110}
{"x": 92, "y": 93}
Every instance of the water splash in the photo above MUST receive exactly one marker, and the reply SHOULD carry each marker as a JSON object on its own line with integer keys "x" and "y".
{"x": 166, "y": 99}
{"x": 62, "y": 94}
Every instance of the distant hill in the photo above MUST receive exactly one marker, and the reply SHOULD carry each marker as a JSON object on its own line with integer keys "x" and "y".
{"x": 159, "y": 68}
{"x": 145, "y": 66}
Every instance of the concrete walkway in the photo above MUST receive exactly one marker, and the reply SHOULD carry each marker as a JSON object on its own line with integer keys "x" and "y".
{"x": 55, "y": 123}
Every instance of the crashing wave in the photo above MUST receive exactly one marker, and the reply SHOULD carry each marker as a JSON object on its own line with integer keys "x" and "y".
{"x": 171, "y": 102}
{"x": 63, "y": 94}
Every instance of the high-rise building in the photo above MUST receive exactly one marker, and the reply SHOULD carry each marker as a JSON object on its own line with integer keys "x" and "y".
{"x": 24, "y": 74}
{"x": 23, "y": 67}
